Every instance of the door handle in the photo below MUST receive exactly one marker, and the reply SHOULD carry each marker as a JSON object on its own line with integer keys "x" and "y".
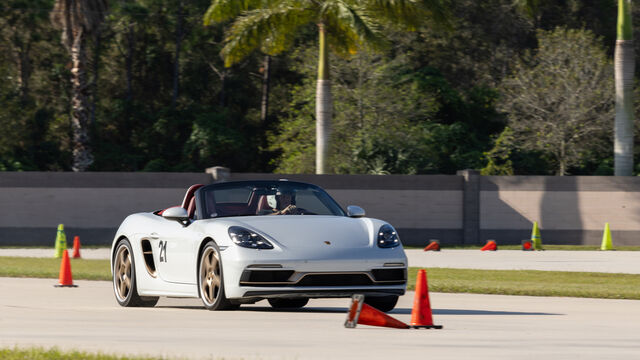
{"x": 154, "y": 236}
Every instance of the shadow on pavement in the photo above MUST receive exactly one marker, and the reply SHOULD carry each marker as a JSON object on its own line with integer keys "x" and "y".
{"x": 302, "y": 310}
{"x": 397, "y": 311}
{"x": 479, "y": 312}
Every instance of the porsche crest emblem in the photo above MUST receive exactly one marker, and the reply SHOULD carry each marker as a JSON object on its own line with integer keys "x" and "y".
{"x": 328, "y": 242}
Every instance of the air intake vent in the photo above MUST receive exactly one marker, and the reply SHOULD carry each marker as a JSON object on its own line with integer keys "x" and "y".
{"x": 148, "y": 257}
{"x": 258, "y": 277}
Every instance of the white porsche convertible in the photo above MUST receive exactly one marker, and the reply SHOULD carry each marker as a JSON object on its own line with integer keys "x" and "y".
{"x": 235, "y": 243}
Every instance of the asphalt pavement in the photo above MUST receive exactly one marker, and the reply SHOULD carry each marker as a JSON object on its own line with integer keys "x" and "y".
{"x": 590, "y": 261}
{"x": 34, "y": 313}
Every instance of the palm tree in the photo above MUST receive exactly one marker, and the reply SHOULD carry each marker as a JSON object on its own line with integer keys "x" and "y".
{"x": 344, "y": 25}
{"x": 624, "y": 62}
{"x": 79, "y": 19}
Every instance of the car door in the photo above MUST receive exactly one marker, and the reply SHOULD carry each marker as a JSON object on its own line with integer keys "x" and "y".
{"x": 174, "y": 245}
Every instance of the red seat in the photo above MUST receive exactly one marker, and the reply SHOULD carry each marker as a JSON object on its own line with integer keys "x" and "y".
{"x": 263, "y": 204}
{"x": 191, "y": 210}
{"x": 189, "y": 195}
{"x": 189, "y": 201}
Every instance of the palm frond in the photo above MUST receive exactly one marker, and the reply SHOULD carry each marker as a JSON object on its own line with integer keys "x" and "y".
{"x": 350, "y": 27}
{"x": 273, "y": 28}
{"x": 411, "y": 14}
{"x": 223, "y": 10}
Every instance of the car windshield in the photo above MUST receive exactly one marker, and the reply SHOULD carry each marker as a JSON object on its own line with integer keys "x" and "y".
{"x": 264, "y": 198}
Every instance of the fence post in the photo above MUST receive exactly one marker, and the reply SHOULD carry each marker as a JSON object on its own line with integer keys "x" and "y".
{"x": 219, "y": 173}
{"x": 470, "y": 206}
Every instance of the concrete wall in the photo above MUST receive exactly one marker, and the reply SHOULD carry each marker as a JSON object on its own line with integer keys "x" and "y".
{"x": 456, "y": 209}
{"x": 90, "y": 205}
{"x": 569, "y": 210}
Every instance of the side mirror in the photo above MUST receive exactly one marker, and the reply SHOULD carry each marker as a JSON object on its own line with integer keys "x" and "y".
{"x": 355, "y": 211}
{"x": 176, "y": 213}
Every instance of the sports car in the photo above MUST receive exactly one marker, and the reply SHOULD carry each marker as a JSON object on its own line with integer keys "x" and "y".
{"x": 239, "y": 242}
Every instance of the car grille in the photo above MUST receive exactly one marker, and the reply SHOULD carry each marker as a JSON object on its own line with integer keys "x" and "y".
{"x": 276, "y": 278}
{"x": 335, "y": 280}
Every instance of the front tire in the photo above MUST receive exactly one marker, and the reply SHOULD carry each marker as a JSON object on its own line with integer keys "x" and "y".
{"x": 124, "y": 278}
{"x": 382, "y": 303}
{"x": 291, "y": 303}
{"x": 211, "y": 281}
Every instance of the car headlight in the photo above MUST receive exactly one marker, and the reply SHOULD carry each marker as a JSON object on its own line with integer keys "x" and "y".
{"x": 247, "y": 238}
{"x": 388, "y": 237}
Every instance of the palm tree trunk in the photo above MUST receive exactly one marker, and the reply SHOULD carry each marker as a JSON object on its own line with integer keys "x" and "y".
{"x": 176, "y": 62}
{"x": 129, "y": 61}
{"x": 562, "y": 161}
{"x": 624, "y": 70}
{"x": 82, "y": 157}
{"x": 266, "y": 77}
{"x": 25, "y": 69}
{"x": 94, "y": 81}
{"x": 324, "y": 105}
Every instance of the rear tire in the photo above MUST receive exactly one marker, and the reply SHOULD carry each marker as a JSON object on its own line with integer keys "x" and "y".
{"x": 124, "y": 279}
{"x": 382, "y": 303}
{"x": 211, "y": 281}
{"x": 288, "y": 303}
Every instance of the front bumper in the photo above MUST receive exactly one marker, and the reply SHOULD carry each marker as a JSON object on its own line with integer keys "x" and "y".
{"x": 251, "y": 274}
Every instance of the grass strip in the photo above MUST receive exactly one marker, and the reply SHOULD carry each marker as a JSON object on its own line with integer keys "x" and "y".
{"x": 82, "y": 269}
{"x": 502, "y": 282}
{"x": 531, "y": 283}
{"x": 38, "y": 353}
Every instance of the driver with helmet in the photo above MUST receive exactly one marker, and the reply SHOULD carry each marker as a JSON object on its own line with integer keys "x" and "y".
{"x": 284, "y": 203}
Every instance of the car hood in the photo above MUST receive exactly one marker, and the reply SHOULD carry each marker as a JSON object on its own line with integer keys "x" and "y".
{"x": 313, "y": 231}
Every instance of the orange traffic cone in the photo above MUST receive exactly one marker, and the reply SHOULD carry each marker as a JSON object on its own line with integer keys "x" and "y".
{"x": 66, "y": 279}
{"x": 361, "y": 313}
{"x": 421, "y": 314}
{"x": 491, "y": 246}
{"x": 434, "y": 245}
{"x": 527, "y": 245}
{"x": 76, "y": 247}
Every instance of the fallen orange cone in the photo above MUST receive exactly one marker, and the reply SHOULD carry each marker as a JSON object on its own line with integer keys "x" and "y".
{"x": 434, "y": 245}
{"x": 65, "y": 279}
{"x": 421, "y": 316}
{"x": 490, "y": 246}
{"x": 361, "y": 313}
{"x": 76, "y": 247}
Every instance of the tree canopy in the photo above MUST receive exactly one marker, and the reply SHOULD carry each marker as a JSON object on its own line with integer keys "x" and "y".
{"x": 425, "y": 101}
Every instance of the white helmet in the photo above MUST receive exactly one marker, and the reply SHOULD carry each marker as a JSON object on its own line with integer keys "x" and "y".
{"x": 271, "y": 200}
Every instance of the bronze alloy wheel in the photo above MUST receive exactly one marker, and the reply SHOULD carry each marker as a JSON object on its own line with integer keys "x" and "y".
{"x": 210, "y": 279}
{"x": 124, "y": 278}
{"x": 122, "y": 273}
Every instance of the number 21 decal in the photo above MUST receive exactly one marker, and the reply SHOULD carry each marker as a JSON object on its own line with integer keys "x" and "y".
{"x": 163, "y": 251}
